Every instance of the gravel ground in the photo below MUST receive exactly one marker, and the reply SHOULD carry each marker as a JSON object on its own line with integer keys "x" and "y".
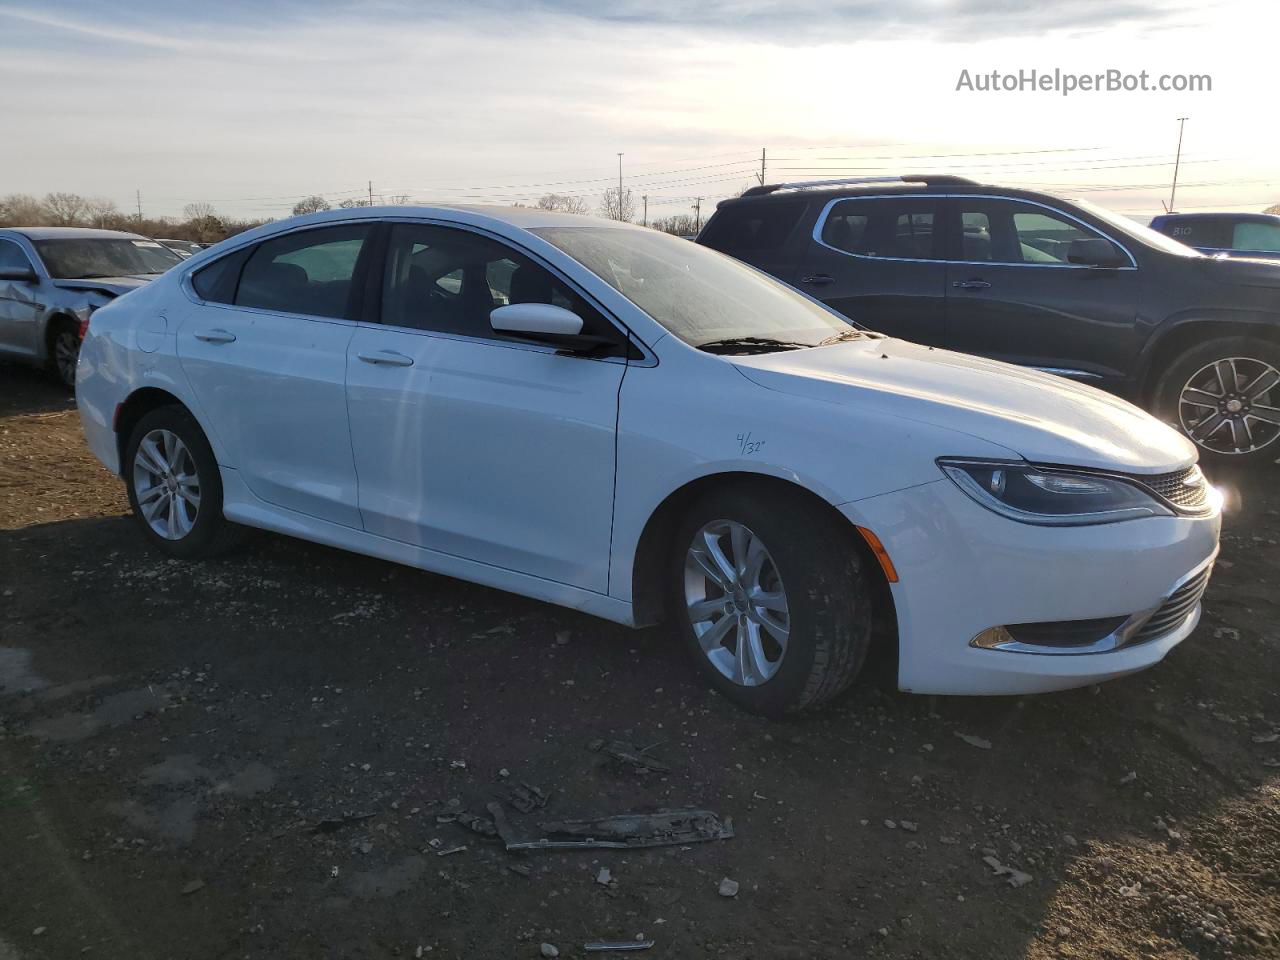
{"x": 276, "y": 755}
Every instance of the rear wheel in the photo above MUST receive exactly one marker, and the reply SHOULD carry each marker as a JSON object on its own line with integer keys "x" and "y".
{"x": 1225, "y": 396}
{"x": 174, "y": 486}
{"x": 772, "y": 599}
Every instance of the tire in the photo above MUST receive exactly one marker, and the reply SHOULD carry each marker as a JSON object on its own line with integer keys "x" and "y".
{"x": 155, "y": 480}
{"x": 1230, "y": 422}
{"x": 64, "y": 352}
{"x": 826, "y": 606}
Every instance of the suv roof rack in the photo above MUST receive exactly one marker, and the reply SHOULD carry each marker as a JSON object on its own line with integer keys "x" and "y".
{"x": 928, "y": 180}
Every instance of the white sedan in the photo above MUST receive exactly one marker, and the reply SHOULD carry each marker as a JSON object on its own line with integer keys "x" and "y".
{"x": 605, "y": 417}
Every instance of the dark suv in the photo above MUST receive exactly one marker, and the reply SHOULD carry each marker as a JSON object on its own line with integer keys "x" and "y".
{"x": 1232, "y": 234}
{"x": 1030, "y": 278}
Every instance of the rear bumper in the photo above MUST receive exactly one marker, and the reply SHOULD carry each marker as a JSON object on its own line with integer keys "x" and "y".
{"x": 964, "y": 570}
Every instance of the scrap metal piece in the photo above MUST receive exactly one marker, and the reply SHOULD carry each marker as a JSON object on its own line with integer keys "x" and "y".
{"x": 631, "y": 830}
{"x": 501, "y": 823}
{"x": 526, "y": 797}
{"x": 638, "y": 757}
{"x": 619, "y": 946}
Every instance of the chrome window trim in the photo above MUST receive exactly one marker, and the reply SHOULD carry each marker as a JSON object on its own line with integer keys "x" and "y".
{"x": 1119, "y": 638}
{"x": 1069, "y": 373}
{"x": 826, "y": 210}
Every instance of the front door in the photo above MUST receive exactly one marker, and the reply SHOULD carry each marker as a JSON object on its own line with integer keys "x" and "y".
{"x": 268, "y": 369}
{"x": 472, "y": 443}
{"x": 879, "y": 261}
{"x": 1013, "y": 294}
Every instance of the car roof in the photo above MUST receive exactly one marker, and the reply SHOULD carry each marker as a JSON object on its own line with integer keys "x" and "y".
{"x": 916, "y": 184}
{"x": 71, "y": 233}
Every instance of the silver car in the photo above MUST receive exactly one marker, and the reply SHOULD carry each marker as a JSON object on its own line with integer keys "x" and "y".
{"x": 53, "y": 278}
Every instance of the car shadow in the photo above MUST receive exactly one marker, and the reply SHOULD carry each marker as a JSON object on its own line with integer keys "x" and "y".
{"x": 25, "y": 390}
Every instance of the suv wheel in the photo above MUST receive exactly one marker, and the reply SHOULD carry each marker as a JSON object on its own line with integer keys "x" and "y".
{"x": 1225, "y": 396}
{"x": 773, "y": 602}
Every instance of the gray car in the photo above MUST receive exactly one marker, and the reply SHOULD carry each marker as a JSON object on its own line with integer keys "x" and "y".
{"x": 53, "y": 278}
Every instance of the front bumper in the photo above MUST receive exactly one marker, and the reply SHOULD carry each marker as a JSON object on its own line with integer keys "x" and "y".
{"x": 964, "y": 570}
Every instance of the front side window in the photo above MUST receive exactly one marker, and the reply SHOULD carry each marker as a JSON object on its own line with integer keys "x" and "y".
{"x": 897, "y": 228}
{"x": 12, "y": 256}
{"x": 86, "y": 258}
{"x": 1256, "y": 236}
{"x": 1006, "y": 231}
{"x": 309, "y": 272}
{"x": 449, "y": 281}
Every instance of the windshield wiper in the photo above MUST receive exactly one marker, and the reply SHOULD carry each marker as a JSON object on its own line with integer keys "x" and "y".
{"x": 750, "y": 345}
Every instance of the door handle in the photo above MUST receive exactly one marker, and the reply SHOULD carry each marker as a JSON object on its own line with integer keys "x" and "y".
{"x": 971, "y": 284}
{"x": 819, "y": 279}
{"x": 386, "y": 358}
{"x": 217, "y": 336}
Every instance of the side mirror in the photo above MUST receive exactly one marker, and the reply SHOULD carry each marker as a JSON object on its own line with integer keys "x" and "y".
{"x": 537, "y": 321}
{"x": 1095, "y": 252}
{"x": 18, "y": 274}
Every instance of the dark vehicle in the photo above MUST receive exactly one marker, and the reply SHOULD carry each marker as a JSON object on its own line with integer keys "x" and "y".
{"x": 53, "y": 278}
{"x": 1254, "y": 235}
{"x": 1029, "y": 278}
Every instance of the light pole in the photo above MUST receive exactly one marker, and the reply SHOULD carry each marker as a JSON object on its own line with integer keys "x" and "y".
{"x": 1173, "y": 191}
{"x": 619, "y": 186}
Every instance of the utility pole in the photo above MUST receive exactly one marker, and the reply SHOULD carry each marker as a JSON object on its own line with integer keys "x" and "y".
{"x": 619, "y": 186}
{"x": 371, "y": 193}
{"x": 697, "y": 215}
{"x": 1173, "y": 191}
{"x": 762, "y": 163}
{"x": 138, "y": 194}
{"x": 645, "y": 198}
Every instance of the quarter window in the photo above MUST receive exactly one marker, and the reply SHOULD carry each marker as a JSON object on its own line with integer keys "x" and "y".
{"x": 901, "y": 229}
{"x": 449, "y": 281}
{"x": 309, "y": 272}
{"x": 1005, "y": 231}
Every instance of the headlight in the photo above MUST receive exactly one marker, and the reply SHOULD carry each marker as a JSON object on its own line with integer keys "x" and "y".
{"x": 1050, "y": 496}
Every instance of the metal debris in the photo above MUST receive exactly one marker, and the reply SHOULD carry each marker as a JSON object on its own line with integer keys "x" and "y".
{"x": 1016, "y": 877}
{"x": 526, "y": 798}
{"x": 973, "y": 741}
{"x": 604, "y": 877}
{"x": 451, "y": 851}
{"x": 664, "y": 828}
{"x": 500, "y": 822}
{"x": 629, "y": 753}
{"x": 619, "y": 946}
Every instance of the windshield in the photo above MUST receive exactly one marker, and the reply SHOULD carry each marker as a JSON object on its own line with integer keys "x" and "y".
{"x": 1137, "y": 231}
{"x": 83, "y": 258}
{"x": 701, "y": 296}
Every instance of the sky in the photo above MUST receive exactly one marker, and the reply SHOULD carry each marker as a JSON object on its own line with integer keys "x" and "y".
{"x": 250, "y": 106}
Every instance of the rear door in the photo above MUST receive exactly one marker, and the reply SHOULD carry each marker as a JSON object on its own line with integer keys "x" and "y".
{"x": 473, "y": 443}
{"x": 1013, "y": 294}
{"x": 265, "y": 351}
{"x": 879, "y": 261}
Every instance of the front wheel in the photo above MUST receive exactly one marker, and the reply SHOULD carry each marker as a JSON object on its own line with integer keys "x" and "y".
{"x": 773, "y": 600}
{"x": 1225, "y": 396}
{"x": 64, "y": 353}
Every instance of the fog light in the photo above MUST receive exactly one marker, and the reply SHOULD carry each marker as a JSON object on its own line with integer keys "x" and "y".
{"x": 993, "y": 637}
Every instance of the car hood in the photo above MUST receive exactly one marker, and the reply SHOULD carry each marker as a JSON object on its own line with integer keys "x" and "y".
{"x": 1041, "y": 417}
{"x": 112, "y": 285}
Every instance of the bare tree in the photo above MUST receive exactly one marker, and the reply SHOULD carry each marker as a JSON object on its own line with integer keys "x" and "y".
{"x": 100, "y": 211}
{"x": 679, "y": 224}
{"x": 65, "y": 209}
{"x": 561, "y": 203}
{"x": 313, "y": 204}
{"x": 199, "y": 211}
{"x": 615, "y": 209}
{"x": 21, "y": 210}
{"x": 1274, "y": 208}
{"x": 398, "y": 199}
{"x": 351, "y": 203}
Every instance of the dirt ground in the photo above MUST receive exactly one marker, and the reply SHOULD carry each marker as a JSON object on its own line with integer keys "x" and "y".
{"x": 265, "y": 757}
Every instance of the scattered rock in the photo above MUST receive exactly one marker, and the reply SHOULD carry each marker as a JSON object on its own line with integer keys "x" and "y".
{"x": 728, "y": 888}
{"x": 604, "y": 877}
{"x": 908, "y": 826}
{"x": 549, "y": 950}
{"x": 1017, "y": 878}
{"x": 973, "y": 741}
{"x": 1129, "y": 777}
{"x": 891, "y": 825}
{"x": 192, "y": 887}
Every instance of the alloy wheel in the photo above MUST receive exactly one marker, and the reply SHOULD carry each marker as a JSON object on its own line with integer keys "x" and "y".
{"x": 1229, "y": 406}
{"x": 66, "y": 352}
{"x": 736, "y": 603}
{"x": 166, "y": 484}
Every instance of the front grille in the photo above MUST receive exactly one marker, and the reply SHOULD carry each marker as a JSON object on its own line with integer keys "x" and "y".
{"x": 1170, "y": 487}
{"x": 1175, "y": 609}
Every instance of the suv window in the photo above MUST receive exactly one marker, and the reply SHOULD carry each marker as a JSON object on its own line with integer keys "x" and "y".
{"x": 307, "y": 272}
{"x": 449, "y": 281}
{"x": 1007, "y": 231}
{"x": 743, "y": 227}
{"x": 12, "y": 256}
{"x": 1252, "y": 235}
{"x": 900, "y": 228}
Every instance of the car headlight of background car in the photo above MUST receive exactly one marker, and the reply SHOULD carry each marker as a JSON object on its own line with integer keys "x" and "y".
{"x": 1050, "y": 496}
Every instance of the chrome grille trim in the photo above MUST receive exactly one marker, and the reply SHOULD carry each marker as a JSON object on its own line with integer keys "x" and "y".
{"x": 1172, "y": 488}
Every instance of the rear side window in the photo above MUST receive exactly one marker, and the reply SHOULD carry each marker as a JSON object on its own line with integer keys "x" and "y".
{"x": 1256, "y": 236}
{"x": 309, "y": 272}
{"x": 752, "y": 227}
{"x": 901, "y": 228}
{"x": 1200, "y": 232}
